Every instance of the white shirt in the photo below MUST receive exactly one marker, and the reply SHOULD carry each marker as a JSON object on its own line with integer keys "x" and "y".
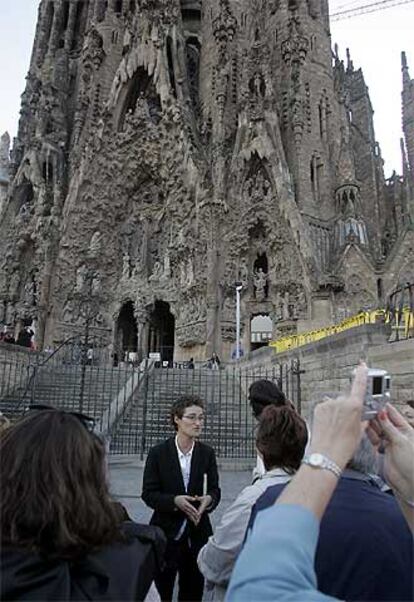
{"x": 185, "y": 464}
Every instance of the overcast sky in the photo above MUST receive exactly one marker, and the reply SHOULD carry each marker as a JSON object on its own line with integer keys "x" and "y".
{"x": 375, "y": 40}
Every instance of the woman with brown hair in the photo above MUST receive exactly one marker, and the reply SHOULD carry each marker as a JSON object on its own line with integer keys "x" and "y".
{"x": 61, "y": 534}
{"x": 280, "y": 440}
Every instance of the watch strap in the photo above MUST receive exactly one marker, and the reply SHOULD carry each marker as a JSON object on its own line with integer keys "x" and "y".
{"x": 317, "y": 460}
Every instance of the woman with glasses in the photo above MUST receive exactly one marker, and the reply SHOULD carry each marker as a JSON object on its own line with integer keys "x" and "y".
{"x": 280, "y": 440}
{"x": 181, "y": 484}
{"x": 61, "y": 534}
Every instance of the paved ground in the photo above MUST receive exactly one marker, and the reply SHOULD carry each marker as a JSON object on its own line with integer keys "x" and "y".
{"x": 126, "y": 480}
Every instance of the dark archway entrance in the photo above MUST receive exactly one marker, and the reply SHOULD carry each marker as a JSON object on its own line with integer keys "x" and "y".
{"x": 126, "y": 332}
{"x": 161, "y": 332}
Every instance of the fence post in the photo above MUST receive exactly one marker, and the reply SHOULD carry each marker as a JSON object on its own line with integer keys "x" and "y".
{"x": 144, "y": 411}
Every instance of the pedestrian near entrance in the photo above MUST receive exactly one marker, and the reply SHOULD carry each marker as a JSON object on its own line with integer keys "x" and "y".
{"x": 181, "y": 484}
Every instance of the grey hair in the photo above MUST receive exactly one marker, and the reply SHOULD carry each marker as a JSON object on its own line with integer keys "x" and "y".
{"x": 365, "y": 458}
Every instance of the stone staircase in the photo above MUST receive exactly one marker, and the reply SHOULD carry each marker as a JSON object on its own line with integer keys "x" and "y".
{"x": 60, "y": 386}
{"x": 229, "y": 423}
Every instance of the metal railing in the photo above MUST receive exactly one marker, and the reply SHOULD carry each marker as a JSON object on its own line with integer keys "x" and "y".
{"x": 131, "y": 404}
{"x": 400, "y": 312}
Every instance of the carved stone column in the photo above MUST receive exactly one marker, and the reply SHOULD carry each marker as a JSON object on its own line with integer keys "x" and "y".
{"x": 56, "y": 28}
{"x": 70, "y": 30}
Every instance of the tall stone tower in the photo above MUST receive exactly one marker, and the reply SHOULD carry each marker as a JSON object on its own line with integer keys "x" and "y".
{"x": 170, "y": 149}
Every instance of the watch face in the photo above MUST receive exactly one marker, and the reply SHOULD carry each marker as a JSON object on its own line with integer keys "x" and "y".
{"x": 317, "y": 459}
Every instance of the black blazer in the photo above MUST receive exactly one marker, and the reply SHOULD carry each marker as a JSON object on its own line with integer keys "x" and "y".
{"x": 163, "y": 480}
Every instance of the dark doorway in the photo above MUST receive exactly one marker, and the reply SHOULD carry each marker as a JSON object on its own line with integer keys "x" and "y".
{"x": 127, "y": 332}
{"x": 161, "y": 332}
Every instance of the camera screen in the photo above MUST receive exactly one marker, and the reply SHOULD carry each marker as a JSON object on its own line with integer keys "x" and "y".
{"x": 377, "y": 385}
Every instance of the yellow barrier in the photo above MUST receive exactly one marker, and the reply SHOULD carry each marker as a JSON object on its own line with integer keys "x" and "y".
{"x": 403, "y": 319}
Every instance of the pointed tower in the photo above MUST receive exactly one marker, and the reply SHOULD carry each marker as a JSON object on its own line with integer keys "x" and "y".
{"x": 408, "y": 111}
{"x": 4, "y": 167}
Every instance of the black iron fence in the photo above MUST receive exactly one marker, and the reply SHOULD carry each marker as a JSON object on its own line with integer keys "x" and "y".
{"x": 131, "y": 404}
{"x": 400, "y": 312}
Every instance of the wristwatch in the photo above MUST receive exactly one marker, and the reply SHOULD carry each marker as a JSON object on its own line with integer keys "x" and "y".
{"x": 321, "y": 461}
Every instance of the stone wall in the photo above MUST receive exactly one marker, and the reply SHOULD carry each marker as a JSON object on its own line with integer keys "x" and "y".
{"x": 328, "y": 364}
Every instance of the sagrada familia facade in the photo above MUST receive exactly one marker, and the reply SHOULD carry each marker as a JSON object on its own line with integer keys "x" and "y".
{"x": 171, "y": 149}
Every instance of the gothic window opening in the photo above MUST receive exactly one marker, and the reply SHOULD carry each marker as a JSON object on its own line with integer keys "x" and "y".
{"x": 191, "y": 16}
{"x": 24, "y": 196}
{"x": 132, "y": 6}
{"x": 118, "y": 7}
{"x": 78, "y": 28}
{"x": 101, "y": 10}
{"x": 316, "y": 175}
{"x": 193, "y": 50}
{"x": 139, "y": 89}
{"x": 162, "y": 332}
{"x": 65, "y": 16}
{"x": 126, "y": 332}
{"x": 47, "y": 29}
{"x": 379, "y": 289}
{"x": 171, "y": 71}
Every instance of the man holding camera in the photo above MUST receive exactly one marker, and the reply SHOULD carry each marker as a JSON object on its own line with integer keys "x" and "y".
{"x": 181, "y": 484}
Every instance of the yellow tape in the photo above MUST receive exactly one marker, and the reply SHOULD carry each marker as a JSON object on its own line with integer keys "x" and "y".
{"x": 405, "y": 317}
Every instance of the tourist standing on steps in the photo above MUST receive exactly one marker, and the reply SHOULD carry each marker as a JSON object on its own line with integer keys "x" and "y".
{"x": 181, "y": 484}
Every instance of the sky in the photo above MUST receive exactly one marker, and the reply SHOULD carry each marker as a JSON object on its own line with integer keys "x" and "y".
{"x": 375, "y": 41}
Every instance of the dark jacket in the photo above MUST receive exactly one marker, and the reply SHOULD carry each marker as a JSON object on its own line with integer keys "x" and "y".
{"x": 163, "y": 481}
{"x": 365, "y": 548}
{"x": 122, "y": 571}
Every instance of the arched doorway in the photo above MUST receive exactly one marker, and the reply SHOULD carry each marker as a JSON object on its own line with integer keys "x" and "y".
{"x": 126, "y": 332}
{"x": 261, "y": 329}
{"x": 161, "y": 332}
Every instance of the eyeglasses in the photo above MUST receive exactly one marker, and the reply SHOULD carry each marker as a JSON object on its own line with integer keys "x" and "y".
{"x": 87, "y": 421}
{"x": 194, "y": 417}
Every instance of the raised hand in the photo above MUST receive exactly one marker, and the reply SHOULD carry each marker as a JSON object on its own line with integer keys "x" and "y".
{"x": 393, "y": 436}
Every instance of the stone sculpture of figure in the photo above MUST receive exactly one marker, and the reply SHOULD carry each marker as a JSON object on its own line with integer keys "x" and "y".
{"x": 80, "y": 278}
{"x": 156, "y": 272}
{"x": 183, "y": 274}
{"x": 95, "y": 246}
{"x": 126, "y": 266}
{"x": 14, "y": 283}
{"x": 260, "y": 280}
{"x": 29, "y": 291}
{"x": 96, "y": 285}
{"x": 190, "y": 272}
{"x": 287, "y": 307}
{"x": 167, "y": 265}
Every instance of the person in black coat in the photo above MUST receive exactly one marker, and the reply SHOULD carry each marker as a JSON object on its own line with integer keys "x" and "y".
{"x": 62, "y": 537}
{"x": 181, "y": 484}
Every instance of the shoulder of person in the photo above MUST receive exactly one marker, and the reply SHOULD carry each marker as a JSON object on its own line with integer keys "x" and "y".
{"x": 207, "y": 449}
{"x": 161, "y": 447}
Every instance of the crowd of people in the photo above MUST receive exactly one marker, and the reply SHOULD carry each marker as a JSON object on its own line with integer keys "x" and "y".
{"x": 25, "y": 337}
{"x": 329, "y": 514}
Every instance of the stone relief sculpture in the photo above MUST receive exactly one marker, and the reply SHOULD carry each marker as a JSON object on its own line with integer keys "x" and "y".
{"x": 95, "y": 246}
{"x": 215, "y": 170}
{"x": 260, "y": 282}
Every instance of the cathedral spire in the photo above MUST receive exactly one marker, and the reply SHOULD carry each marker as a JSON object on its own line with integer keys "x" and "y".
{"x": 407, "y": 97}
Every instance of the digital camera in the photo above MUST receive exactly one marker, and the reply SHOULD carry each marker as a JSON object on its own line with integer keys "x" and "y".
{"x": 378, "y": 392}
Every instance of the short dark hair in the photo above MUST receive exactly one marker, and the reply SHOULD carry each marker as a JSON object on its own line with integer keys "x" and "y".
{"x": 178, "y": 407}
{"x": 263, "y": 393}
{"x": 281, "y": 438}
{"x": 55, "y": 499}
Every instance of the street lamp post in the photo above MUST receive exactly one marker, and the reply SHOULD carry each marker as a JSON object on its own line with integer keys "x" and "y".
{"x": 239, "y": 287}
